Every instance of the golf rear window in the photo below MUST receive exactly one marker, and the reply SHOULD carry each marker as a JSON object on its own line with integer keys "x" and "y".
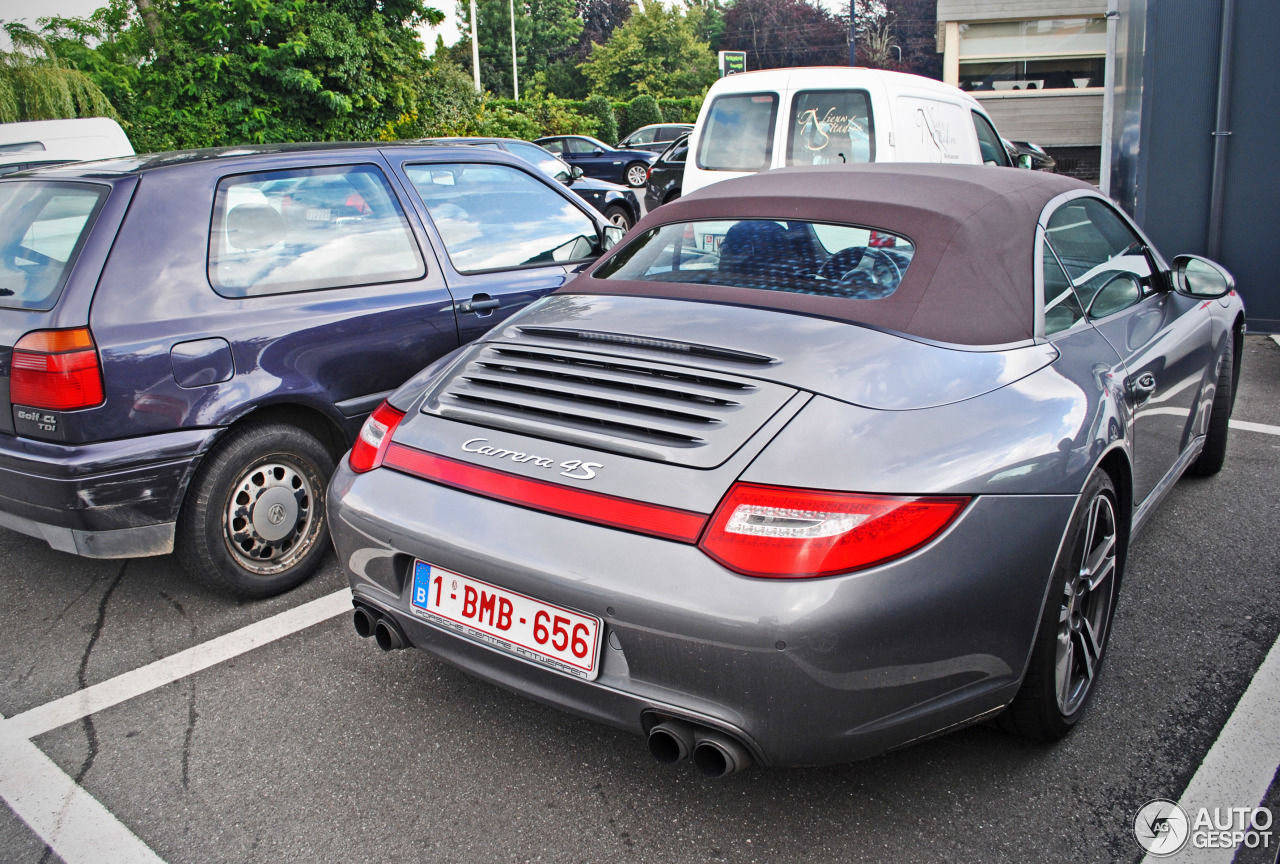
{"x": 42, "y": 227}
{"x": 816, "y": 258}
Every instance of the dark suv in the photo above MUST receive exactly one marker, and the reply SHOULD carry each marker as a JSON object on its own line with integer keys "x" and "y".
{"x": 190, "y": 341}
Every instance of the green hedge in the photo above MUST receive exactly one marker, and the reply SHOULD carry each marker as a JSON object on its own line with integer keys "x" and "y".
{"x": 532, "y": 118}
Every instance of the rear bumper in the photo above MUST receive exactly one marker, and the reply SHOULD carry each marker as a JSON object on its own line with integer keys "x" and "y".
{"x": 802, "y": 671}
{"x": 110, "y": 499}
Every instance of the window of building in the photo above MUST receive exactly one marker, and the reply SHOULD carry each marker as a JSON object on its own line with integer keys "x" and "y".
{"x": 1049, "y": 54}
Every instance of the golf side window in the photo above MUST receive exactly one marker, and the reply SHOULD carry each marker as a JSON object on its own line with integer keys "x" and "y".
{"x": 496, "y": 217}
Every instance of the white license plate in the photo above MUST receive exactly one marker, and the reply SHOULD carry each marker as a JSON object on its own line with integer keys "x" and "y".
{"x": 539, "y": 632}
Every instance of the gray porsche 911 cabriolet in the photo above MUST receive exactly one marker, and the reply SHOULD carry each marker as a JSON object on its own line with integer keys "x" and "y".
{"x": 816, "y": 463}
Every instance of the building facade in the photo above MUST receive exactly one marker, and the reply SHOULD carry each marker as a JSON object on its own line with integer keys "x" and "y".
{"x": 1037, "y": 67}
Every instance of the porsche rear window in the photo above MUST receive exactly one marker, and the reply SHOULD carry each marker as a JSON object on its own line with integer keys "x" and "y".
{"x": 42, "y": 227}
{"x": 792, "y": 256}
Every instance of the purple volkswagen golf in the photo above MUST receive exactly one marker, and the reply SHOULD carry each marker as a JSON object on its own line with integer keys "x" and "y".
{"x": 814, "y": 464}
{"x": 189, "y": 341}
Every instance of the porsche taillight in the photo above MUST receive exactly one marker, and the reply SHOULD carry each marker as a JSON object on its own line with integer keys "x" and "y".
{"x": 375, "y": 436}
{"x": 781, "y": 533}
{"x": 57, "y": 370}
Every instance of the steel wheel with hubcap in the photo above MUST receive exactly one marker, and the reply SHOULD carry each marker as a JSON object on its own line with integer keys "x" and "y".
{"x": 253, "y": 524}
{"x": 637, "y": 175}
{"x": 1069, "y": 648}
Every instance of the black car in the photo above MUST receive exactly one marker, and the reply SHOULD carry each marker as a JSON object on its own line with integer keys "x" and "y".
{"x": 598, "y": 159}
{"x": 619, "y": 204}
{"x": 666, "y": 175}
{"x": 656, "y": 137}
{"x": 190, "y": 341}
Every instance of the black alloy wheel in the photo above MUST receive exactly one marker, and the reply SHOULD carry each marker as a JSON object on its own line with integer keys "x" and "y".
{"x": 1071, "y": 643}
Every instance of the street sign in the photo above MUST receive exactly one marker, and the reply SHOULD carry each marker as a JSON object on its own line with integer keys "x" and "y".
{"x": 732, "y": 62}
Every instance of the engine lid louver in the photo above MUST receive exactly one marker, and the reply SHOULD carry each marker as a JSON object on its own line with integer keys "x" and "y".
{"x": 621, "y": 404}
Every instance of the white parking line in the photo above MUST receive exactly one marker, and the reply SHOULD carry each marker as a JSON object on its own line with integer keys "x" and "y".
{"x": 1238, "y": 769}
{"x": 68, "y": 819}
{"x": 1246, "y": 426}
{"x": 93, "y": 699}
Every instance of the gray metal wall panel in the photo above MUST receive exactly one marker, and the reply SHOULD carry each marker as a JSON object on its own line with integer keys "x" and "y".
{"x": 1180, "y": 97}
{"x": 996, "y": 10}
{"x": 1251, "y": 223}
{"x": 1049, "y": 120}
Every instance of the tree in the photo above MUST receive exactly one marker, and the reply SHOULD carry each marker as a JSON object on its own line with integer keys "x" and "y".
{"x": 546, "y": 31}
{"x": 780, "y": 33}
{"x": 214, "y": 72}
{"x": 656, "y": 52}
{"x": 35, "y": 84}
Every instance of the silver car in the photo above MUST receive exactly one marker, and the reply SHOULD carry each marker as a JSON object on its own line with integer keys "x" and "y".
{"x": 815, "y": 464}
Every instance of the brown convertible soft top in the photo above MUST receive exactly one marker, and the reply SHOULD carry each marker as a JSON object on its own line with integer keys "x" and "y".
{"x": 970, "y": 281}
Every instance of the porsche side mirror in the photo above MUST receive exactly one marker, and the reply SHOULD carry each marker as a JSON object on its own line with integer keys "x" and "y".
{"x": 575, "y": 173}
{"x": 612, "y": 234}
{"x": 1024, "y": 161}
{"x": 1200, "y": 277}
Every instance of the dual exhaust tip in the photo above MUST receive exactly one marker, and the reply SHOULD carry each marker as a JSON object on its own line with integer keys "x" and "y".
{"x": 384, "y": 630}
{"x": 714, "y": 753}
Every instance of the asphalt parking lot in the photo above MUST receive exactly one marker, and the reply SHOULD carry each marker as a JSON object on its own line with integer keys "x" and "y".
{"x": 317, "y": 747}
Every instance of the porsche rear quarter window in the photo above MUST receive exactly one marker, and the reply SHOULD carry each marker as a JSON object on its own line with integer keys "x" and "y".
{"x": 307, "y": 229}
{"x": 739, "y": 133}
{"x": 42, "y": 226}
{"x": 772, "y": 255}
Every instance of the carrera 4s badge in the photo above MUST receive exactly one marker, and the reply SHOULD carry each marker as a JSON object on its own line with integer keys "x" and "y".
{"x": 575, "y": 469}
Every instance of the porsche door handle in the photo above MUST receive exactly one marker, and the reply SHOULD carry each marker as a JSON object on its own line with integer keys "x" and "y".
{"x": 1144, "y": 387}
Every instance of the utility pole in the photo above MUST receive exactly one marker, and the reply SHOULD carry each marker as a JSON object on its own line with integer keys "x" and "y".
{"x": 515, "y": 76}
{"x": 475, "y": 48}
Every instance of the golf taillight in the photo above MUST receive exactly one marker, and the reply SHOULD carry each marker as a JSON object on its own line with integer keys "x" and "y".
{"x": 57, "y": 370}
{"x": 375, "y": 436}
{"x": 781, "y": 533}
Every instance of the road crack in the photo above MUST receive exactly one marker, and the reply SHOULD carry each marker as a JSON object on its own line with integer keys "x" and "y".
{"x": 82, "y": 676}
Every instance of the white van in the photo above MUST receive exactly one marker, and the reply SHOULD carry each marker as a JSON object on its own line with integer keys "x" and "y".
{"x": 49, "y": 142}
{"x": 824, "y": 115}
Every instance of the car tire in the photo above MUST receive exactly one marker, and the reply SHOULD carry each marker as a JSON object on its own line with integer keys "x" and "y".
{"x": 620, "y": 216}
{"x": 636, "y": 174}
{"x": 1214, "y": 454}
{"x": 253, "y": 523}
{"x": 1081, "y": 603}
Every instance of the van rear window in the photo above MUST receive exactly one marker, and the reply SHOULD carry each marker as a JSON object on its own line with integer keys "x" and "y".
{"x": 831, "y": 127}
{"x": 42, "y": 227}
{"x": 797, "y": 257}
{"x": 739, "y": 133}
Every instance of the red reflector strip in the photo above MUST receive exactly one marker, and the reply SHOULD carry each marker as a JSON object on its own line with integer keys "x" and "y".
{"x": 651, "y": 519}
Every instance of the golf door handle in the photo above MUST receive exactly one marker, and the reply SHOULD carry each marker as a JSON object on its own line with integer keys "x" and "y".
{"x": 1144, "y": 386}
{"x": 481, "y": 304}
